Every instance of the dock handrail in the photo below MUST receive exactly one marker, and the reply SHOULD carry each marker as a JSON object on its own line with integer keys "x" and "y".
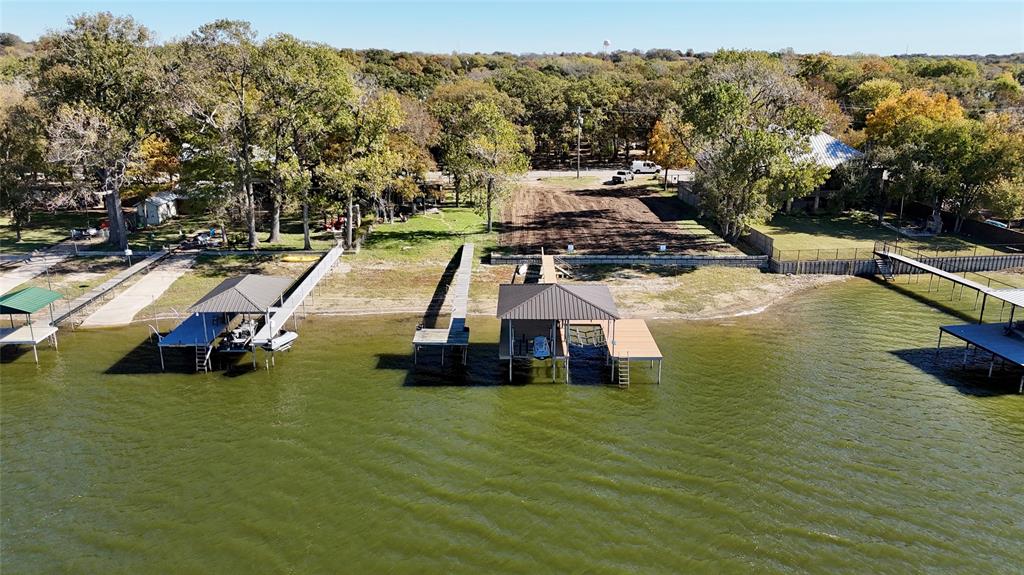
{"x": 277, "y": 316}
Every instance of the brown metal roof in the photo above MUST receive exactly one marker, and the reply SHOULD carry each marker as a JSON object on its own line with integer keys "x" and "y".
{"x": 243, "y": 294}
{"x": 556, "y": 301}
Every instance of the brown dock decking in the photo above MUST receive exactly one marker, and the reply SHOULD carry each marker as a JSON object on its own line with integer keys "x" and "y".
{"x": 632, "y": 339}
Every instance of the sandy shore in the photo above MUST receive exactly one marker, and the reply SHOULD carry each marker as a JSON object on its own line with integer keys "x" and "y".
{"x": 707, "y": 293}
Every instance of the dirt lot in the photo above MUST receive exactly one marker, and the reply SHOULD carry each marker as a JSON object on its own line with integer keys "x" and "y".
{"x": 552, "y": 211}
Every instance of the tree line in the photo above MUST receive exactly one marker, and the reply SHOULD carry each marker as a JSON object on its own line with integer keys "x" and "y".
{"x": 247, "y": 125}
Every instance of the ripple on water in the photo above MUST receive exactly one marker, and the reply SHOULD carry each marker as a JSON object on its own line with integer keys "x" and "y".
{"x": 823, "y": 435}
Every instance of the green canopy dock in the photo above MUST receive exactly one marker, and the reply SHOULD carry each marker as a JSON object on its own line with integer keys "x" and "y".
{"x": 27, "y": 301}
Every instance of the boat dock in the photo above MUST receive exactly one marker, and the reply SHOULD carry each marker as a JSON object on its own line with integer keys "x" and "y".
{"x": 242, "y": 313}
{"x": 1003, "y": 340}
{"x": 537, "y": 321}
{"x": 28, "y": 301}
{"x": 457, "y": 333}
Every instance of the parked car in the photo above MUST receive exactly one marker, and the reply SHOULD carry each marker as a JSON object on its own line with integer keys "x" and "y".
{"x": 644, "y": 167}
{"x": 621, "y": 177}
{"x": 997, "y": 224}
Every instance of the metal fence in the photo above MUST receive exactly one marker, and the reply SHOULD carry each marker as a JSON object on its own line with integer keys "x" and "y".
{"x": 866, "y": 251}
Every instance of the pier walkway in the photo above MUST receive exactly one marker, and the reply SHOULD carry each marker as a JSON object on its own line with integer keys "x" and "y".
{"x": 1004, "y": 340}
{"x": 121, "y": 310}
{"x": 278, "y": 316}
{"x": 457, "y": 333}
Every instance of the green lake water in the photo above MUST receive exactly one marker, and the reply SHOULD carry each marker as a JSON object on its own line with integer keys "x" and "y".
{"x": 822, "y": 436}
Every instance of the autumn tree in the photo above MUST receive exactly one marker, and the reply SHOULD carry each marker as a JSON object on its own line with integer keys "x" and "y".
{"x": 900, "y": 135}
{"x": 976, "y": 162}
{"x": 899, "y": 114}
{"x": 102, "y": 88}
{"x": 362, "y": 161}
{"x": 866, "y": 96}
{"x": 449, "y": 104}
{"x": 22, "y": 155}
{"x": 307, "y": 96}
{"x": 749, "y": 124}
{"x": 666, "y": 145}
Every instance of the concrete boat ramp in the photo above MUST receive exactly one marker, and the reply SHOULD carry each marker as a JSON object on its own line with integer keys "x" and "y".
{"x": 123, "y": 308}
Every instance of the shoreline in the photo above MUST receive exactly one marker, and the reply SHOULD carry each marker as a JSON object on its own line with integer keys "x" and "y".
{"x": 638, "y": 295}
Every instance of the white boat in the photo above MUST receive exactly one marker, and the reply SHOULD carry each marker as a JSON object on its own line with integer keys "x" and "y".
{"x": 540, "y": 347}
{"x": 281, "y": 342}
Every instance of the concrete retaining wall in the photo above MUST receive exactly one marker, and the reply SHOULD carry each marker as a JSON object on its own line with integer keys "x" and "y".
{"x": 627, "y": 260}
{"x": 759, "y": 241}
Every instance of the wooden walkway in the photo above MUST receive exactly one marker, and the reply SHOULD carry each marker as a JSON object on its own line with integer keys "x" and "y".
{"x": 1012, "y": 296}
{"x": 934, "y": 270}
{"x": 548, "y": 272}
{"x": 632, "y": 340}
{"x": 457, "y": 333}
{"x": 278, "y": 316}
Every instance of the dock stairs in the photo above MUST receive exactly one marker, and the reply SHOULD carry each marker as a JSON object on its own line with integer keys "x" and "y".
{"x": 885, "y": 268}
{"x": 203, "y": 358}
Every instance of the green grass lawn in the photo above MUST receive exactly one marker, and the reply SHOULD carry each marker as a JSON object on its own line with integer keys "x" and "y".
{"x": 571, "y": 182}
{"x": 209, "y": 270}
{"x": 170, "y": 232}
{"x": 809, "y": 237}
{"x": 429, "y": 237}
{"x": 45, "y": 229}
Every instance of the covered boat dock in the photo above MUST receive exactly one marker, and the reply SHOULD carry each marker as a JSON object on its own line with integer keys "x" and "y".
{"x": 537, "y": 322}
{"x": 249, "y": 297}
{"x": 28, "y": 301}
{"x": 1003, "y": 340}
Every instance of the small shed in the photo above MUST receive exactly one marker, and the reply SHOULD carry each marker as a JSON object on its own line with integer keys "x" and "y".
{"x": 157, "y": 209}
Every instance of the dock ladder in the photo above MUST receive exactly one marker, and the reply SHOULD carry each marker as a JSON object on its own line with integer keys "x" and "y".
{"x": 623, "y": 371}
{"x": 885, "y": 268}
{"x": 203, "y": 358}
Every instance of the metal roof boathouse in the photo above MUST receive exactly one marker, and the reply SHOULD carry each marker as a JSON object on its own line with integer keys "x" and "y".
{"x": 243, "y": 299}
{"x": 544, "y": 320}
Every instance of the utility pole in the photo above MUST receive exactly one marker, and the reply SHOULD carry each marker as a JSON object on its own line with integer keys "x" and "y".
{"x": 579, "y": 135}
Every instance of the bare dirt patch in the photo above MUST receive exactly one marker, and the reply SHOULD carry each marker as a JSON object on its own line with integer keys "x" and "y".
{"x": 631, "y": 218}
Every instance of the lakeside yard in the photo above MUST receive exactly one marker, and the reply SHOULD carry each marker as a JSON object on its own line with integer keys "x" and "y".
{"x": 849, "y": 236}
{"x": 45, "y": 229}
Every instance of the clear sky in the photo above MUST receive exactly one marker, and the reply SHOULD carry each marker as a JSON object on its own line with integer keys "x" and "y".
{"x": 840, "y": 27}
